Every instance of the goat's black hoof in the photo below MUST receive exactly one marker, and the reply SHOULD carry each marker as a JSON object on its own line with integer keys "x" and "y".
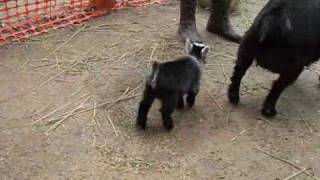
{"x": 141, "y": 124}
{"x": 268, "y": 112}
{"x": 180, "y": 106}
{"x": 169, "y": 126}
{"x": 190, "y": 106}
{"x": 234, "y": 99}
{"x": 190, "y": 102}
{"x": 233, "y": 96}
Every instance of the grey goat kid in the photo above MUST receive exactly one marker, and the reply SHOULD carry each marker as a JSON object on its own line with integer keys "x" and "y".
{"x": 170, "y": 81}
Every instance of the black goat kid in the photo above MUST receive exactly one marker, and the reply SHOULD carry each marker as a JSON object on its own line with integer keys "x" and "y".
{"x": 284, "y": 38}
{"x": 170, "y": 81}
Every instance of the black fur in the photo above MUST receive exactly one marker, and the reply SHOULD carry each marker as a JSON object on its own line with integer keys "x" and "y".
{"x": 170, "y": 81}
{"x": 284, "y": 38}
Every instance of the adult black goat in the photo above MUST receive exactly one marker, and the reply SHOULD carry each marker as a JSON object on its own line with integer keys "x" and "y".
{"x": 284, "y": 38}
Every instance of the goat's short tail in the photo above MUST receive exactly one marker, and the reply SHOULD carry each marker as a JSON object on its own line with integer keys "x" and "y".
{"x": 154, "y": 74}
{"x": 155, "y": 65}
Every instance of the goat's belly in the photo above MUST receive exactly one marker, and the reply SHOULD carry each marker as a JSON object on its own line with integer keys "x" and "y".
{"x": 283, "y": 60}
{"x": 274, "y": 65}
{"x": 174, "y": 86}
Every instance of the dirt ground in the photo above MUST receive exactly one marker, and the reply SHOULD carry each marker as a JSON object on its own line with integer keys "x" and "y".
{"x": 50, "y": 128}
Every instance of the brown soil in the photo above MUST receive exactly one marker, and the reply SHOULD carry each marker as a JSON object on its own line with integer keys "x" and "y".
{"x": 109, "y": 59}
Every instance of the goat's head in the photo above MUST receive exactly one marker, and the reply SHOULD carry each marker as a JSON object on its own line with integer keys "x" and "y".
{"x": 197, "y": 50}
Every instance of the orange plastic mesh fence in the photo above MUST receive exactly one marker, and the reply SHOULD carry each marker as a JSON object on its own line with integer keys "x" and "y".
{"x": 21, "y": 19}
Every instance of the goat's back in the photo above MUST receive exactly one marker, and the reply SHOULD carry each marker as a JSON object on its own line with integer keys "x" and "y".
{"x": 290, "y": 23}
{"x": 178, "y": 75}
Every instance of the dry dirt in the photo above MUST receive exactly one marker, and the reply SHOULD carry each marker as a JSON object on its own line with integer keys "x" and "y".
{"x": 49, "y": 129}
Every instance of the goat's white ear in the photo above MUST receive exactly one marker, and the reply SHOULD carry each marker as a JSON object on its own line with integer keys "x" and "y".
{"x": 188, "y": 46}
{"x": 204, "y": 51}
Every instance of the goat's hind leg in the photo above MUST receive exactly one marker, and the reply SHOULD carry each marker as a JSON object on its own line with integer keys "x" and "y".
{"x": 284, "y": 80}
{"x": 145, "y": 104}
{"x": 192, "y": 93}
{"x": 191, "y": 98}
{"x": 180, "y": 104}
{"x": 246, "y": 55}
{"x": 168, "y": 105}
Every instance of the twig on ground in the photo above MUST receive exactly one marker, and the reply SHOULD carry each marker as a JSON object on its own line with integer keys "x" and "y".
{"x": 214, "y": 100}
{"x": 306, "y": 123}
{"x": 94, "y": 141}
{"x": 106, "y": 24}
{"x": 64, "y": 43}
{"x": 57, "y": 124}
{"x": 52, "y": 78}
{"x": 94, "y": 113}
{"x": 36, "y": 87}
{"x": 135, "y": 89}
{"x": 302, "y": 117}
{"x": 236, "y": 137}
{"x": 99, "y": 124}
{"x": 94, "y": 119}
{"x": 112, "y": 103}
{"x": 111, "y": 122}
{"x": 118, "y": 42}
{"x": 25, "y": 62}
{"x": 296, "y": 174}
{"x": 40, "y": 66}
{"x": 224, "y": 73}
{"x": 126, "y": 91}
{"x": 104, "y": 69}
{"x": 263, "y": 119}
{"x": 58, "y": 109}
{"x": 288, "y": 162}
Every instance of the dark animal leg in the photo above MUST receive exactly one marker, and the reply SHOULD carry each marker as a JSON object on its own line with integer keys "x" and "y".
{"x": 246, "y": 55}
{"x": 219, "y": 22}
{"x": 180, "y": 104}
{"x": 191, "y": 98}
{"x": 168, "y": 105}
{"x": 278, "y": 87}
{"x": 145, "y": 104}
{"x": 239, "y": 71}
{"x": 187, "y": 27}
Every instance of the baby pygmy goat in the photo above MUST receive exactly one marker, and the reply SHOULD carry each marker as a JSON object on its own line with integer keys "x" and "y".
{"x": 284, "y": 38}
{"x": 170, "y": 81}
